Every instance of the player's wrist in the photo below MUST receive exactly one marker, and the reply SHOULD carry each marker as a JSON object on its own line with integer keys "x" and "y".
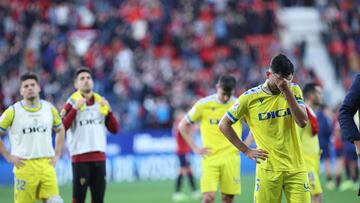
{"x": 7, "y": 157}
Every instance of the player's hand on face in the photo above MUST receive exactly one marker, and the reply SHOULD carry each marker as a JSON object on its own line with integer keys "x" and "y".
{"x": 256, "y": 154}
{"x": 203, "y": 151}
{"x": 17, "y": 161}
{"x": 79, "y": 103}
{"x": 54, "y": 160}
{"x": 280, "y": 82}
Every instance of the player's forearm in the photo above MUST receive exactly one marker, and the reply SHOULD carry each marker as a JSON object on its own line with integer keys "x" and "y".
{"x": 299, "y": 114}
{"x": 60, "y": 139}
{"x": 249, "y": 139}
{"x": 230, "y": 134}
{"x": 184, "y": 129}
{"x": 4, "y": 152}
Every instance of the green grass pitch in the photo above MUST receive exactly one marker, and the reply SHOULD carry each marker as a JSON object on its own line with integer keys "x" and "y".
{"x": 161, "y": 192}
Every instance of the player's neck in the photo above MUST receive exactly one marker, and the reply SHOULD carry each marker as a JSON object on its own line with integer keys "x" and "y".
{"x": 270, "y": 89}
{"x": 31, "y": 103}
{"x": 87, "y": 95}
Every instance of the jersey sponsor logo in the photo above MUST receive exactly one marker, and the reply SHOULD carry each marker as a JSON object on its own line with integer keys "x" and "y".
{"x": 90, "y": 122}
{"x": 274, "y": 114}
{"x": 214, "y": 121}
{"x": 38, "y": 129}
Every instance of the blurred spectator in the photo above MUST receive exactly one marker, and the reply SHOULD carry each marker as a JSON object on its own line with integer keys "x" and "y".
{"x": 147, "y": 57}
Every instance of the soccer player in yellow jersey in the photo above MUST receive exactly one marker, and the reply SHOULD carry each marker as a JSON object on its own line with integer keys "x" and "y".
{"x": 272, "y": 111}
{"x": 221, "y": 160}
{"x": 30, "y": 123}
{"x": 310, "y": 141}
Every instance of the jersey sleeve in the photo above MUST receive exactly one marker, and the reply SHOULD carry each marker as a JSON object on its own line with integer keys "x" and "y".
{"x": 298, "y": 95}
{"x": 238, "y": 109}
{"x": 195, "y": 113}
{"x": 57, "y": 120}
{"x": 6, "y": 119}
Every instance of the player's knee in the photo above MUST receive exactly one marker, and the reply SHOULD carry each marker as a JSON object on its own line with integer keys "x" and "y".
{"x": 227, "y": 198}
{"x": 55, "y": 199}
{"x": 317, "y": 198}
{"x": 208, "y": 197}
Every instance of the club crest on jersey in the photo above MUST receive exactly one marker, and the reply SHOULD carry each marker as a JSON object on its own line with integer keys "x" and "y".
{"x": 235, "y": 106}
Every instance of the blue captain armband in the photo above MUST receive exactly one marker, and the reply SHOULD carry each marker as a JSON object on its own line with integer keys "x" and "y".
{"x": 231, "y": 117}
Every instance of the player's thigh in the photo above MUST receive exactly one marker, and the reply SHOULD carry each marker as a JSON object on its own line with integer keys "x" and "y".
{"x": 314, "y": 180}
{"x": 26, "y": 182}
{"x": 210, "y": 176}
{"x": 313, "y": 170}
{"x": 268, "y": 186}
{"x": 296, "y": 187}
{"x": 49, "y": 185}
{"x": 230, "y": 175}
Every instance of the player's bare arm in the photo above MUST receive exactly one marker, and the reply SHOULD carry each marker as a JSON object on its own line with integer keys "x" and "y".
{"x": 16, "y": 161}
{"x": 60, "y": 137}
{"x": 184, "y": 128}
{"x": 249, "y": 139}
{"x": 225, "y": 127}
{"x": 298, "y": 112}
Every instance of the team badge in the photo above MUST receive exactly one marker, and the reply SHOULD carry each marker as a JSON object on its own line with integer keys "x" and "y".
{"x": 235, "y": 106}
{"x": 82, "y": 181}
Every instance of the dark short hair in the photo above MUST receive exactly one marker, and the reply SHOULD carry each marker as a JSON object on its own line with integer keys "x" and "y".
{"x": 28, "y": 76}
{"x": 280, "y": 64}
{"x": 81, "y": 70}
{"x": 227, "y": 83}
{"x": 309, "y": 88}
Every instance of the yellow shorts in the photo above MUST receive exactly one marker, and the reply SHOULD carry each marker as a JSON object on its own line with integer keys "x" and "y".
{"x": 313, "y": 168}
{"x": 224, "y": 170}
{"x": 269, "y": 185}
{"x": 36, "y": 180}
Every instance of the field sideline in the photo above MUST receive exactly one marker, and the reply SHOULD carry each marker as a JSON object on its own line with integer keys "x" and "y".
{"x": 161, "y": 191}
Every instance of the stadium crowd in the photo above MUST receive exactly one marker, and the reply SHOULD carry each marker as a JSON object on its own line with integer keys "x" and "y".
{"x": 147, "y": 57}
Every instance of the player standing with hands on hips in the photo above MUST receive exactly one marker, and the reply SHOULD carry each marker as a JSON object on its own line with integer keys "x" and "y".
{"x": 272, "y": 111}
{"x": 221, "y": 161}
{"x": 87, "y": 115}
{"x": 30, "y": 123}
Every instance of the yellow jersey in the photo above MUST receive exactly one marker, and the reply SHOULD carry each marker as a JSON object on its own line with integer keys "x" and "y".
{"x": 7, "y": 117}
{"x": 274, "y": 129}
{"x": 209, "y": 111}
{"x": 309, "y": 142}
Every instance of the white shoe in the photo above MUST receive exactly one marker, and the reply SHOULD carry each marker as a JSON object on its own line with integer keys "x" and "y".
{"x": 179, "y": 197}
{"x": 196, "y": 195}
